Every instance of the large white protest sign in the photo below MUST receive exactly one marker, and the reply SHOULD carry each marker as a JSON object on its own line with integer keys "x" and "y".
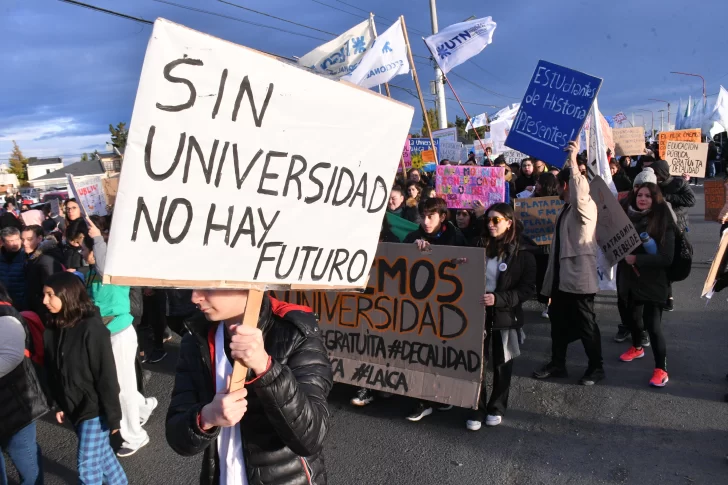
{"x": 229, "y": 180}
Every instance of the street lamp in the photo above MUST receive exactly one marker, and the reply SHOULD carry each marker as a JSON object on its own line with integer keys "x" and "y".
{"x": 668, "y": 107}
{"x": 662, "y": 119}
{"x": 694, "y": 75}
{"x": 653, "y": 120}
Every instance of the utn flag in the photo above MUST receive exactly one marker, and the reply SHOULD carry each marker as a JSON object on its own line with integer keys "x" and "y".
{"x": 385, "y": 59}
{"x": 340, "y": 56}
{"x": 478, "y": 121}
{"x": 459, "y": 42}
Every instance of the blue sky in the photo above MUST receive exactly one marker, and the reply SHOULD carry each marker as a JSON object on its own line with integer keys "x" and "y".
{"x": 68, "y": 72}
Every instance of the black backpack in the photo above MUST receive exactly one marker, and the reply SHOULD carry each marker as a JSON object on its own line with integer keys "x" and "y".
{"x": 682, "y": 260}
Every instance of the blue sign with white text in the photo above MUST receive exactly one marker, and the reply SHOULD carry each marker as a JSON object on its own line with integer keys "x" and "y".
{"x": 418, "y": 145}
{"x": 553, "y": 112}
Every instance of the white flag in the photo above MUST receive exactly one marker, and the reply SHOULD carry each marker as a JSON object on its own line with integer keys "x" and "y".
{"x": 679, "y": 116}
{"x": 340, "y": 56}
{"x": 598, "y": 161}
{"x": 459, "y": 42}
{"x": 720, "y": 111}
{"x": 385, "y": 59}
{"x": 478, "y": 121}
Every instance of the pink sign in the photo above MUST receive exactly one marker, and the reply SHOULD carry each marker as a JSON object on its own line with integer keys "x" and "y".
{"x": 406, "y": 156}
{"x": 461, "y": 185}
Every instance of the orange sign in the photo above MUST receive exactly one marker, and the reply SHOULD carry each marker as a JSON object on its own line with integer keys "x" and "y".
{"x": 428, "y": 156}
{"x": 692, "y": 135}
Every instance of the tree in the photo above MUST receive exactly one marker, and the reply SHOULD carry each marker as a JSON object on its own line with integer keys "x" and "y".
{"x": 118, "y": 135}
{"x": 434, "y": 115}
{"x": 85, "y": 157}
{"x": 18, "y": 164}
{"x": 463, "y": 132}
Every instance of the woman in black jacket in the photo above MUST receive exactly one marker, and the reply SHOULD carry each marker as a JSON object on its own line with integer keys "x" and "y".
{"x": 277, "y": 423}
{"x": 82, "y": 376}
{"x": 642, "y": 276}
{"x": 510, "y": 280}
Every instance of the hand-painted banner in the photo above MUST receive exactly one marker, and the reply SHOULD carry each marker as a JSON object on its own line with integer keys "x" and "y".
{"x": 514, "y": 156}
{"x": 450, "y": 150}
{"x": 89, "y": 193}
{"x": 539, "y": 215}
{"x": 629, "y": 141}
{"x": 553, "y": 111}
{"x": 417, "y": 146}
{"x": 417, "y": 330}
{"x": 687, "y": 157}
{"x": 615, "y": 233}
{"x": 460, "y": 186}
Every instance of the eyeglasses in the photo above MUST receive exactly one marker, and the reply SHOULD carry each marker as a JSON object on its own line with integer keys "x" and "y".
{"x": 495, "y": 220}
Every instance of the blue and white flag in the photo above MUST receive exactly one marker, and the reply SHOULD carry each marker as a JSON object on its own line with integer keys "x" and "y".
{"x": 478, "y": 121}
{"x": 459, "y": 42}
{"x": 342, "y": 55}
{"x": 385, "y": 59}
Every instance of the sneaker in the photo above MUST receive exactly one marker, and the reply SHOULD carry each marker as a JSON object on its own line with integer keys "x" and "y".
{"x": 592, "y": 376}
{"x": 645, "y": 340}
{"x": 363, "y": 397}
{"x": 473, "y": 425}
{"x": 632, "y": 354}
{"x": 550, "y": 370}
{"x": 659, "y": 378}
{"x": 493, "y": 420}
{"x": 419, "y": 412}
{"x": 545, "y": 314}
{"x": 444, "y": 407}
{"x": 622, "y": 334}
{"x": 124, "y": 451}
{"x": 157, "y": 355}
{"x": 143, "y": 358}
{"x": 670, "y": 305}
{"x": 152, "y": 401}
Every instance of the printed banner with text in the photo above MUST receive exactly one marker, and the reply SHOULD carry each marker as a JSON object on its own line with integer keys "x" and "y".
{"x": 460, "y": 186}
{"x": 237, "y": 179}
{"x": 553, "y": 111}
{"x": 417, "y": 330}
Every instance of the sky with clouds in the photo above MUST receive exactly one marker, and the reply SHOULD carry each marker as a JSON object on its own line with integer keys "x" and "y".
{"x": 68, "y": 72}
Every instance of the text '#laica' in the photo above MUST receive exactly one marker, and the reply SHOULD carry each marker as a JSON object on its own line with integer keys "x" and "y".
{"x": 278, "y": 173}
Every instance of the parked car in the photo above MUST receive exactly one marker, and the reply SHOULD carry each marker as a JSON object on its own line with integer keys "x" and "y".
{"x": 60, "y": 195}
{"x": 29, "y": 195}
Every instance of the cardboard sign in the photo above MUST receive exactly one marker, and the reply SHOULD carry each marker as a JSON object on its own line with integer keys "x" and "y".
{"x": 89, "y": 194}
{"x": 33, "y": 217}
{"x": 428, "y": 156}
{"x": 715, "y": 199}
{"x": 418, "y": 328}
{"x": 556, "y": 103}
{"x": 687, "y": 157}
{"x": 460, "y": 186}
{"x": 692, "y": 135}
{"x": 446, "y": 134}
{"x": 111, "y": 187}
{"x": 514, "y": 156}
{"x": 406, "y": 156}
{"x": 539, "y": 215}
{"x": 629, "y": 141}
{"x": 226, "y": 163}
{"x": 717, "y": 265}
{"x": 615, "y": 233}
{"x": 419, "y": 145}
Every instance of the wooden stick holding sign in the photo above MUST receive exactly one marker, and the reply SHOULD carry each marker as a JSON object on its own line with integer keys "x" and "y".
{"x": 250, "y": 319}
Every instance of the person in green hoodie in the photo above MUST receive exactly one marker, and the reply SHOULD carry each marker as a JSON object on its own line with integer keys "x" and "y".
{"x": 115, "y": 307}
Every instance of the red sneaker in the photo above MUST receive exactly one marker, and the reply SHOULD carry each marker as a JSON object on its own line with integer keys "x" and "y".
{"x": 659, "y": 378}
{"x": 632, "y": 354}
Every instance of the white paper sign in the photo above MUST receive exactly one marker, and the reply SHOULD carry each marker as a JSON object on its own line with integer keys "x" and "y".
{"x": 451, "y": 151}
{"x": 89, "y": 193}
{"x": 446, "y": 134}
{"x": 229, "y": 179}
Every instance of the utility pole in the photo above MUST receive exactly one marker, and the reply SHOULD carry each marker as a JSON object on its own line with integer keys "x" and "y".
{"x": 439, "y": 83}
{"x": 662, "y": 120}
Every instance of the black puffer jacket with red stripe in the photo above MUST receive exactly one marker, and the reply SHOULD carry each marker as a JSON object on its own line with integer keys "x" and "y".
{"x": 287, "y": 419}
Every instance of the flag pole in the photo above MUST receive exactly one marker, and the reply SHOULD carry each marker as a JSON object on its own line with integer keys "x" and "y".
{"x": 417, "y": 85}
{"x": 467, "y": 116}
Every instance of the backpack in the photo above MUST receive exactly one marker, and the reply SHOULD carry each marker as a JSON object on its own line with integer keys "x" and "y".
{"x": 34, "y": 326}
{"x": 682, "y": 260}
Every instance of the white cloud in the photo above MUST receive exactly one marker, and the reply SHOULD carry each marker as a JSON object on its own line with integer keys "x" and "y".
{"x": 54, "y": 137}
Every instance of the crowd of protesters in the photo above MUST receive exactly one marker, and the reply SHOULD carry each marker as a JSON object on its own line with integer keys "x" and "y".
{"x": 73, "y": 343}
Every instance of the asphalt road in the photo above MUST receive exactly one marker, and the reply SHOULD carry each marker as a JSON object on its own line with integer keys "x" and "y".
{"x": 556, "y": 432}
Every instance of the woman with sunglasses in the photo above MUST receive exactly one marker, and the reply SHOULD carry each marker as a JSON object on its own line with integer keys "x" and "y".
{"x": 510, "y": 280}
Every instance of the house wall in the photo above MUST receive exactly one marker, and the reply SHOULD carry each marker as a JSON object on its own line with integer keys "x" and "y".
{"x": 40, "y": 170}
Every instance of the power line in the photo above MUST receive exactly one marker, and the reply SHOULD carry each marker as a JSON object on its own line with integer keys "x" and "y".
{"x": 376, "y": 15}
{"x": 340, "y": 10}
{"x": 481, "y": 87}
{"x": 277, "y": 18}
{"x": 408, "y": 90}
{"x": 110, "y": 12}
{"x": 238, "y": 20}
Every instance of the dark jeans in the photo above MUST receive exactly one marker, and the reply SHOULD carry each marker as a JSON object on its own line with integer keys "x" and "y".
{"x": 572, "y": 318}
{"x": 542, "y": 262}
{"x": 648, "y": 316}
{"x": 502, "y": 372}
{"x": 23, "y": 449}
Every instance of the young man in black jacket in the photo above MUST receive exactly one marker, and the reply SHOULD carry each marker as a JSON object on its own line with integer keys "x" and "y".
{"x": 434, "y": 226}
{"x": 38, "y": 268}
{"x": 273, "y": 429}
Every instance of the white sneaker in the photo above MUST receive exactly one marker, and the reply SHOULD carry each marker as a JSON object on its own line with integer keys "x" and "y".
{"x": 152, "y": 403}
{"x": 472, "y": 425}
{"x": 545, "y": 314}
{"x": 493, "y": 420}
{"x": 363, "y": 397}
